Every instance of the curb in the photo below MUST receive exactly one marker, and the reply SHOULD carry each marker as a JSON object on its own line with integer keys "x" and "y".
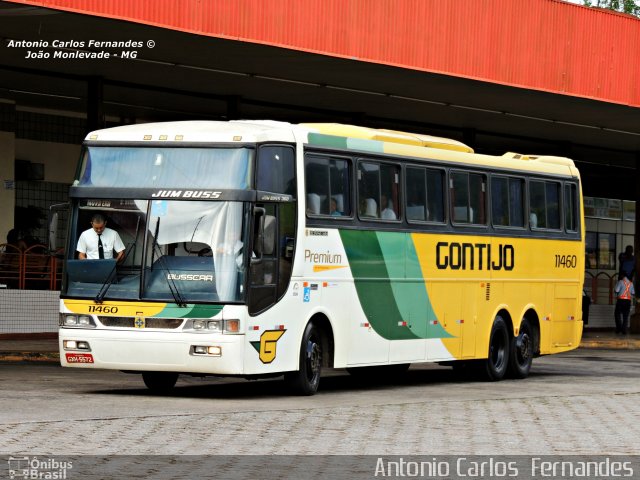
{"x": 49, "y": 357}
{"x": 615, "y": 344}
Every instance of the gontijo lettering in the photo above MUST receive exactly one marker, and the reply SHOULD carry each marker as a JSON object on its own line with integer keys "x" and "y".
{"x": 474, "y": 256}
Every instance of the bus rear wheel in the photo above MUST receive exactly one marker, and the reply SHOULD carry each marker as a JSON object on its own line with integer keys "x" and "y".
{"x": 160, "y": 382}
{"x": 521, "y": 351}
{"x": 306, "y": 379}
{"x": 494, "y": 367}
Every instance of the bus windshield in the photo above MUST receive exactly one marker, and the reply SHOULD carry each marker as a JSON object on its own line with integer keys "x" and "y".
{"x": 166, "y": 167}
{"x": 175, "y": 251}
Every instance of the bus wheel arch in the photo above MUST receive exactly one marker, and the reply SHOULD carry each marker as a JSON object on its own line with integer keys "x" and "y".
{"x": 322, "y": 322}
{"x": 316, "y": 351}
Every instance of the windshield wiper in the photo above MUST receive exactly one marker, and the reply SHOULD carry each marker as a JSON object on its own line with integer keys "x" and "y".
{"x": 173, "y": 288}
{"x": 112, "y": 275}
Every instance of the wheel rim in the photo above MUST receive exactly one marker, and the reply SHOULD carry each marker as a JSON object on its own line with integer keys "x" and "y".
{"x": 523, "y": 348}
{"x": 497, "y": 351}
{"x": 314, "y": 357}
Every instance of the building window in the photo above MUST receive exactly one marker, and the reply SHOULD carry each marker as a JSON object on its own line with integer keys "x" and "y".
{"x": 601, "y": 250}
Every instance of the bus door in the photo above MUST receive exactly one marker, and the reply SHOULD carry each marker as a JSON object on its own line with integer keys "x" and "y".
{"x": 271, "y": 258}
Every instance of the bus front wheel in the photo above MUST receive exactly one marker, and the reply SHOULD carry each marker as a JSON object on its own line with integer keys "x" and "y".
{"x": 306, "y": 379}
{"x": 160, "y": 382}
{"x": 521, "y": 351}
{"x": 495, "y": 366}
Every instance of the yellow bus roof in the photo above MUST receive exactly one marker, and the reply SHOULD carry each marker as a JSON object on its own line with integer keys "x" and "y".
{"x": 429, "y": 147}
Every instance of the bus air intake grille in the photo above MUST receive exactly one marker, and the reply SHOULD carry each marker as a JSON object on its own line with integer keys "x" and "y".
{"x": 487, "y": 295}
{"x": 129, "y": 322}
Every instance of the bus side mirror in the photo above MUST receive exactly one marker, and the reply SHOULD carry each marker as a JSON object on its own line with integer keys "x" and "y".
{"x": 58, "y": 214}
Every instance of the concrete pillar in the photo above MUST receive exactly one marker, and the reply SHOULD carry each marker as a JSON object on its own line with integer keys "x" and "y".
{"x": 7, "y": 185}
{"x": 635, "y": 318}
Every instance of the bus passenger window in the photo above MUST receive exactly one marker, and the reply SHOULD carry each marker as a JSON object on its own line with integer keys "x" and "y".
{"x": 378, "y": 191}
{"x": 425, "y": 199}
{"x": 553, "y": 205}
{"x": 544, "y": 204}
{"x": 571, "y": 208}
{"x": 327, "y": 186}
{"x": 468, "y": 197}
{"x": 416, "y": 194}
{"x": 507, "y": 201}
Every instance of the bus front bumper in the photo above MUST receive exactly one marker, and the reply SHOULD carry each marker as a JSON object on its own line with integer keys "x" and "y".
{"x": 152, "y": 351}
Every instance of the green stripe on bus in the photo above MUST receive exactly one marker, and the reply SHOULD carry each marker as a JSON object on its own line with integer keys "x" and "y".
{"x": 327, "y": 140}
{"x": 389, "y": 283}
{"x": 190, "y": 311}
{"x": 365, "y": 145}
{"x": 410, "y": 291}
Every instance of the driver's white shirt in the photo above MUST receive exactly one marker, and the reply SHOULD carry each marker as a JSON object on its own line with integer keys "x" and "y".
{"x": 88, "y": 243}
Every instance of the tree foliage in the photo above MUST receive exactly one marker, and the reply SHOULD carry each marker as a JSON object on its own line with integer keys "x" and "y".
{"x": 624, "y": 6}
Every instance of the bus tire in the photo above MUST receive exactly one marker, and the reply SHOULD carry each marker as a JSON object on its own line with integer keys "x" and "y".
{"x": 160, "y": 382}
{"x": 306, "y": 379}
{"x": 495, "y": 366}
{"x": 521, "y": 351}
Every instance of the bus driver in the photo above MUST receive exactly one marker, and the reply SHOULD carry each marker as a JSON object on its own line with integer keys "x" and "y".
{"x": 99, "y": 242}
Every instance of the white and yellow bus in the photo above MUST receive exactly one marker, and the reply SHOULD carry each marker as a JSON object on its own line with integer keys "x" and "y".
{"x": 258, "y": 248}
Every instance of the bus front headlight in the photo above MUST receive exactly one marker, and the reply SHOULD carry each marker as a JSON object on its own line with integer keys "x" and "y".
{"x": 214, "y": 325}
{"x": 77, "y": 321}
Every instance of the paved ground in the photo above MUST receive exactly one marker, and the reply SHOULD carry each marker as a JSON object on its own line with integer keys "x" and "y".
{"x": 107, "y": 425}
{"x": 582, "y": 402}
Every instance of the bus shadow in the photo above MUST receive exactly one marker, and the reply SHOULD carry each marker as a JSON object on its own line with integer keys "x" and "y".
{"x": 336, "y": 381}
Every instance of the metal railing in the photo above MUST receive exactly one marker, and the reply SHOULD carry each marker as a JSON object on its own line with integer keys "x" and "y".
{"x": 30, "y": 269}
{"x": 600, "y": 287}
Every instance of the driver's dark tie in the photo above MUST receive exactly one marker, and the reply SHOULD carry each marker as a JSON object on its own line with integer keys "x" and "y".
{"x": 100, "y": 247}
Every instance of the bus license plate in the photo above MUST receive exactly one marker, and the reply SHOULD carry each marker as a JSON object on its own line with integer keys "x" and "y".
{"x": 79, "y": 358}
